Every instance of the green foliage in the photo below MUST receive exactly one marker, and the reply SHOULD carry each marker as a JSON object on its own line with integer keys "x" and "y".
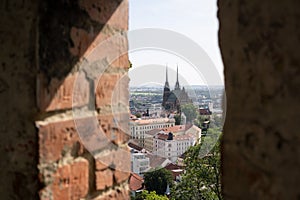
{"x": 158, "y": 180}
{"x": 145, "y": 195}
{"x": 130, "y": 64}
{"x": 202, "y": 177}
{"x": 190, "y": 111}
{"x": 177, "y": 119}
{"x": 200, "y": 119}
{"x": 138, "y": 115}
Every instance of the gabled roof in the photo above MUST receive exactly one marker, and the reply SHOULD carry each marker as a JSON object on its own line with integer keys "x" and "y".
{"x": 136, "y": 182}
{"x": 156, "y": 161}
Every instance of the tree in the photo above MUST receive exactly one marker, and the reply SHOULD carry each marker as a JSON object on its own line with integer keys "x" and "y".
{"x": 138, "y": 115}
{"x": 190, "y": 111}
{"x": 158, "y": 180}
{"x": 177, "y": 119}
{"x": 145, "y": 195}
{"x": 201, "y": 179}
{"x": 200, "y": 119}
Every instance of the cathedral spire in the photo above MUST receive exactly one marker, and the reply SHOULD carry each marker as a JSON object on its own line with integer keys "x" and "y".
{"x": 177, "y": 87}
{"x": 167, "y": 82}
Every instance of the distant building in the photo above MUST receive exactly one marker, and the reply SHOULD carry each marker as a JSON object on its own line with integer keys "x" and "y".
{"x": 177, "y": 130}
{"x": 139, "y": 163}
{"x": 138, "y": 127}
{"x": 169, "y": 146}
{"x": 176, "y": 171}
{"x": 173, "y": 99}
{"x": 205, "y": 111}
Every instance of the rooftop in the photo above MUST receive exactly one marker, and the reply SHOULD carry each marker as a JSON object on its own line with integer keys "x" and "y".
{"x": 136, "y": 182}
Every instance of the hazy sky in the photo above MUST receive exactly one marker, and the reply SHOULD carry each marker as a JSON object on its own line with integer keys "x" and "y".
{"x": 196, "y": 19}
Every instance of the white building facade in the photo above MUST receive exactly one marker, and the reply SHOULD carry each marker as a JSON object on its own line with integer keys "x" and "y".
{"x": 172, "y": 147}
{"x": 139, "y": 163}
{"x": 139, "y": 127}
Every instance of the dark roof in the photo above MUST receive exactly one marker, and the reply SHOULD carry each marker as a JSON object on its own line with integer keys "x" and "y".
{"x": 134, "y": 146}
{"x": 172, "y": 166}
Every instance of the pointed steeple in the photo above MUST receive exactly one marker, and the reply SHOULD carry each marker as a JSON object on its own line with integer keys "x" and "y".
{"x": 167, "y": 82}
{"x": 177, "y": 86}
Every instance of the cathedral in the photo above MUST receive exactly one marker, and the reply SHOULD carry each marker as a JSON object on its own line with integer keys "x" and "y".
{"x": 173, "y": 99}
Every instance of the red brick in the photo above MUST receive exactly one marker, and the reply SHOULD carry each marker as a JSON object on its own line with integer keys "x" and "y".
{"x": 117, "y": 194}
{"x": 120, "y": 94}
{"x": 100, "y": 165}
{"x": 108, "y": 12}
{"x": 81, "y": 40}
{"x": 121, "y": 176}
{"x": 110, "y": 47}
{"x": 118, "y": 159}
{"x": 105, "y": 87}
{"x": 104, "y": 179}
{"x": 115, "y": 127}
{"x": 71, "y": 181}
{"x": 54, "y": 137}
{"x": 59, "y": 94}
{"x": 121, "y": 62}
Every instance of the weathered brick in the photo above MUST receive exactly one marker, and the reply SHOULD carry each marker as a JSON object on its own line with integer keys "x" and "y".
{"x": 118, "y": 159}
{"x": 108, "y": 12}
{"x": 105, "y": 87}
{"x": 111, "y": 46}
{"x": 121, "y": 62}
{"x": 104, "y": 179}
{"x": 117, "y": 194}
{"x": 58, "y": 94}
{"x": 100, "y": 165}
{"x": 71, "y": 181}
{"x": 115, "y": 127}
{"x": 121, "y": 176}
{"x": 54, "y": 138}
{"x": 81, "y": 39}
{"x": 117, "y": 96}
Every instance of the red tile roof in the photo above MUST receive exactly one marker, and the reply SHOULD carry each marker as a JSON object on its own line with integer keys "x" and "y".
{"x": 136, "y": 182}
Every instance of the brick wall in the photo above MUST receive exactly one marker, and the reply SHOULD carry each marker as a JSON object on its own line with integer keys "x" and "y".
{"x": 49, "y": 65}
{"x": 82, "y": 68}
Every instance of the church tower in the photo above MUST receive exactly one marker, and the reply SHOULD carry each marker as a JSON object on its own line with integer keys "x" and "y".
{"x": 177, "y": 86}
{"x": 166, "y": 89}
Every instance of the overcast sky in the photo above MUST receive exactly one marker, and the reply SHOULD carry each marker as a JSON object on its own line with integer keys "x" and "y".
{"x": 196, "y": 19}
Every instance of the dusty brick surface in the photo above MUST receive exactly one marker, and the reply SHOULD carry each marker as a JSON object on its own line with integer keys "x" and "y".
{"x": 71, "y": 181}
{"x": 117, "y": 194}
{"x": 100, "y": 12}
{"x": 60, "y": 94}
{"x": 100, "y": 165}
{"x": 56, "y": 139}
{"x": 114, "y": 128}
{"x": 121, "y": 176}
{"x": 106, "y": 85}
{"x": 104, "y": 179}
